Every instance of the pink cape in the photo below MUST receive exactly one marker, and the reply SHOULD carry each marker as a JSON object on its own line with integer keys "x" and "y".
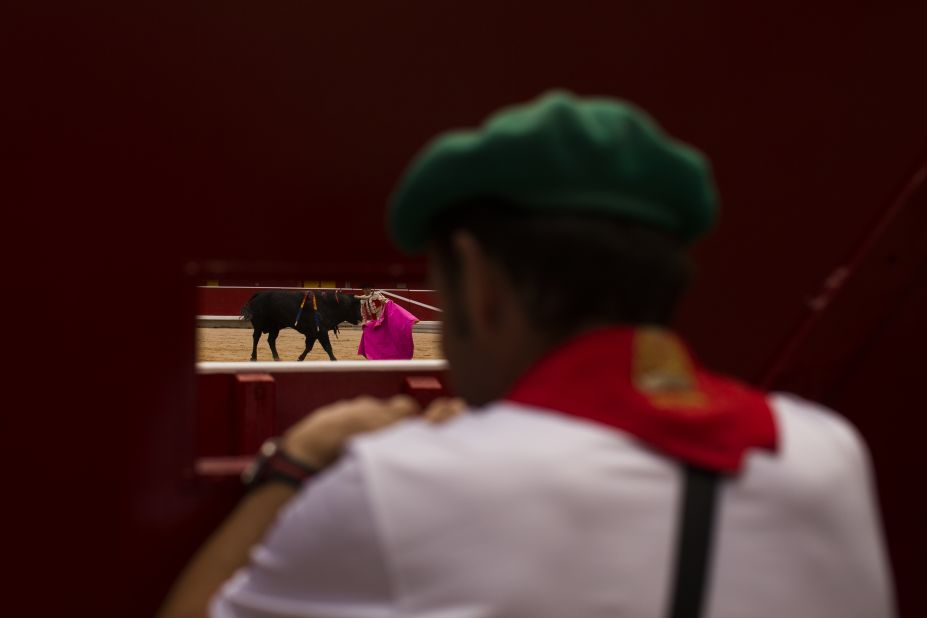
{"x": 390, "y": 336}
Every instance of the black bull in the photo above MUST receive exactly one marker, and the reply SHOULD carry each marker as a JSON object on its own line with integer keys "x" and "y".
{"x": 271, "y": 312}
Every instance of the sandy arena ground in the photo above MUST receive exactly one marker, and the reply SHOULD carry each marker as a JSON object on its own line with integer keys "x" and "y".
{"x": 234, "y": 344}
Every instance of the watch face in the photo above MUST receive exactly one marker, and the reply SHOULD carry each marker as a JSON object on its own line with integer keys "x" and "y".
{"x": 269, "y": 448}
{"x": 273, "y": 463}
{"x": 252, "y": 475}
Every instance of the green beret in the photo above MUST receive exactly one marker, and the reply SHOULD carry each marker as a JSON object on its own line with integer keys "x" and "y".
{"x": 559, "y": 154}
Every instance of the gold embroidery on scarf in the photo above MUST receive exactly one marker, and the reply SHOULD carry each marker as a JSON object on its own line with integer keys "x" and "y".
{"x": 662, "y": 370}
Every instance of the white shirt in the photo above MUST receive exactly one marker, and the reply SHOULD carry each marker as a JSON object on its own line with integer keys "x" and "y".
{"x": 518, "y": 512}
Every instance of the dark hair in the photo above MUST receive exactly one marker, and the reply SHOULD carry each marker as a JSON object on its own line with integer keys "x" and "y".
{"x": 572, "y": 271}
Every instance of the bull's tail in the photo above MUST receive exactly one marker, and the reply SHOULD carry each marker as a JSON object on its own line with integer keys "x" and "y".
{"x": 246, "y": 313}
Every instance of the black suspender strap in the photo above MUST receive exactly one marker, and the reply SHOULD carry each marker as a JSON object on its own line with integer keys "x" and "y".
{"x": 693, "y": 549}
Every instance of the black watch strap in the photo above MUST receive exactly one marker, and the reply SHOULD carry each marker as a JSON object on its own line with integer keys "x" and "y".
{"x": 274, "y": 464}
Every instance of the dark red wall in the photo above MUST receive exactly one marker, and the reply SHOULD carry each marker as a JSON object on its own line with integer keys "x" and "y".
{"x": 157, "y": 144}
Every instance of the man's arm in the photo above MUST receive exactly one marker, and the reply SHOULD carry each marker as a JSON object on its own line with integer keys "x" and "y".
{"x": 317, "y": 441}
{"x": 225, "y": 551}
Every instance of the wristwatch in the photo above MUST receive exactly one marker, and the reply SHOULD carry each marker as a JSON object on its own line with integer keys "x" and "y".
{"x": 274, "y": 464}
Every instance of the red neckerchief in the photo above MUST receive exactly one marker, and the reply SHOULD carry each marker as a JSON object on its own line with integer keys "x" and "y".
{"x": 645, "y": 382}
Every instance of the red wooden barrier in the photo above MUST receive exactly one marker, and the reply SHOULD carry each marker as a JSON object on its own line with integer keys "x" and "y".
{"x": 239, "y": 405}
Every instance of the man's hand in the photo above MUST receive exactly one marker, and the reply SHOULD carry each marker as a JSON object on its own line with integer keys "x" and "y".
{"x": 316, "y": 440}
{"x": 443, "y": 409}
{"x": 319, "y": 438}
